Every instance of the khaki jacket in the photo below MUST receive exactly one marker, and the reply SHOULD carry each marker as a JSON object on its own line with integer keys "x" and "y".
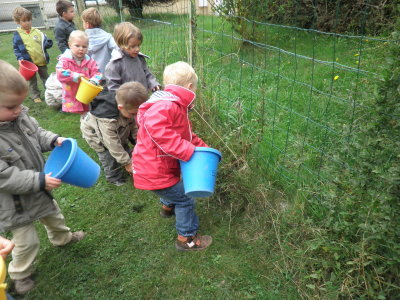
{"x": 22, "y": 195}
{"x": 110, "y": 134}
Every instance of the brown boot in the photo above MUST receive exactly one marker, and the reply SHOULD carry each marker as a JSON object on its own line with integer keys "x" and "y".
{"x": 192, "y": 243}
{"x": 167, "y": 211}
{"x": 23, "y": 286}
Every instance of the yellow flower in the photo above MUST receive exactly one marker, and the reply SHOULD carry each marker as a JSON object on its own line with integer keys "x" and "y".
{"x": 337, "y": 58}
{"x": 336, "y": 77}
{"x": 357, "y": 54}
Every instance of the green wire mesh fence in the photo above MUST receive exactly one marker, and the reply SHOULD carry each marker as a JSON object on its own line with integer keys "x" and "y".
{"x": 289, "y": 96}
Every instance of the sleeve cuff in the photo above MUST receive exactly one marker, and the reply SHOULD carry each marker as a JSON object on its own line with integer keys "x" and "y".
{"x": 75, "y": 76}
{"x": 42, "y": 181}
{"x": 53, "y": 142}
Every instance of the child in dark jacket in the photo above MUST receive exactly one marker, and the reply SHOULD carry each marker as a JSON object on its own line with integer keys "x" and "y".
{"x": 31, "y": 44}
{"x": 65, "y": 25}
{"x": 164, "y": 137}
{"x": 127, "y": 63}
{"x": 110, "y": 126}
{"x": 24, "y": 188}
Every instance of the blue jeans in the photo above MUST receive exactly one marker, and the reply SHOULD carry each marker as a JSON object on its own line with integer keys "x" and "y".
{"x": 187, "y": 222}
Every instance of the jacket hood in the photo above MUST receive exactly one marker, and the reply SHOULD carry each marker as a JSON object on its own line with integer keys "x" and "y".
{"x": 98, "y": 39}
{"x": 175, "y": 93}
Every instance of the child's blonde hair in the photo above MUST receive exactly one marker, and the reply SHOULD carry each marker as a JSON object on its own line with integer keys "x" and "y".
{"x": 131, "y": 94}
{"x": 180, "y": 73}
{"x": 125, "y": 31}
{"x": 11, "y": 82}
{"x": 78, "y": 34}
{"x": 92, "y": 16}
{"x": 21, "y": 13}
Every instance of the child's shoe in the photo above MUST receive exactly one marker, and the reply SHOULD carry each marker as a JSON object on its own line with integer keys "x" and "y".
{"x": 118, "y": 182}
{"x": 37, "y": 100}
{"x": 77, "y": 236}
{"x": 167, "y": 211}
{"x": 197, "y": 242}
{"x": 23, "y": 286}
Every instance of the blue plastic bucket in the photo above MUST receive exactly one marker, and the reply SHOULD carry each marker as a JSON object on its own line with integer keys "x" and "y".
{"x": 200, "y": 172}
{"x": 70, "y": 164}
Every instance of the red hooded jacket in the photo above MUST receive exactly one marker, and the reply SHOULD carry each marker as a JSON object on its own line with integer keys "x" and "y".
{"x": 164, "y": 137}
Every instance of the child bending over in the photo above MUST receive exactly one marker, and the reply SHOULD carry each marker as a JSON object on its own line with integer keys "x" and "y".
{"x": 73, "y": 64}
{"x": 110, "y": 126}
{"x": 127, "y": 63}
{"x": 164, "y": 137}
{"x": 24, "y": 188}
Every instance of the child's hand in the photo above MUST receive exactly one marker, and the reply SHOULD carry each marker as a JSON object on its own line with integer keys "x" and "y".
{"x": 128, "y": 168}
{"x": 59, "y": 141}
{"x": 156, "y": 88}
{"x": 5, "y": 247}
{"x": 51, "y": 182}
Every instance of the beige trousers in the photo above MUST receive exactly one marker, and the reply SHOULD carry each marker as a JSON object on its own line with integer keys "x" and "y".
{"x": 27, "y": 243}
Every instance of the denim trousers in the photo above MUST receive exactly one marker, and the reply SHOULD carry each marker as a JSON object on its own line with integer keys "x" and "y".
{"x": 187, "y": 222}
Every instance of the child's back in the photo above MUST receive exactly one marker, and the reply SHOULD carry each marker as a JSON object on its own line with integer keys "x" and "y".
{"x": 101, "y": 43}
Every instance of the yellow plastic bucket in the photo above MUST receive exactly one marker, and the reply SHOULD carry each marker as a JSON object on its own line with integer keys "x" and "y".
{"x": 3, "y": 285}
{"x": 87, "y": 91}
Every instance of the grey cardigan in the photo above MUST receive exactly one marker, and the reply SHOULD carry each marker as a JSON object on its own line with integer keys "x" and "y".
{"x": 123, "y": 68}
{"x": 22, "y": 195}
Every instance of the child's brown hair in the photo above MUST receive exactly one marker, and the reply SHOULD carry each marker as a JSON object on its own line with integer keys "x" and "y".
{"x": 62, "y": 6}
{"x": 125, "y": 31}
{"x": 11, "y": 82}
{"x": 131, "y": 94}
{"x": 21, "y": 13}
{"x": 92, "y": 16}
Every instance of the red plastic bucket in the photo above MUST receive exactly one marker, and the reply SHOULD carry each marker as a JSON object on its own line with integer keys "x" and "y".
{"x": 27, "y": 69}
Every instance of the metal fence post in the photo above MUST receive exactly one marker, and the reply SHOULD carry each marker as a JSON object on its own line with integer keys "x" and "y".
{"x": 192, "y": 32}
{"x": 80, "y": 6}
{"x": 44, "y": 16}
{"x": 121, "y": 11}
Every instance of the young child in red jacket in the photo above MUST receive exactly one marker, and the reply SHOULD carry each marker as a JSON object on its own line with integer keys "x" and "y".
{"x": 164, "y": 137}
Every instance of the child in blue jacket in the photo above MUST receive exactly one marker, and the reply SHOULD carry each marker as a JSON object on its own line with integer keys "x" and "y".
{"x": 31, "y": 44}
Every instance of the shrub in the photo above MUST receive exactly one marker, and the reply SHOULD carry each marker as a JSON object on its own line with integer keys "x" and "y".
{"x": 325, "y": 15}
{"x": 363, "y": 212}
